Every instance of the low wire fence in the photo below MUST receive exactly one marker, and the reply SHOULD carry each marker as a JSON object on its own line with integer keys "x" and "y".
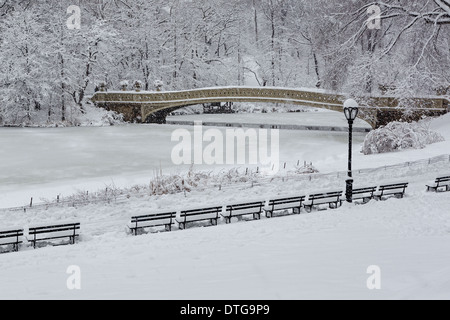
{"x": 226, "y": 181}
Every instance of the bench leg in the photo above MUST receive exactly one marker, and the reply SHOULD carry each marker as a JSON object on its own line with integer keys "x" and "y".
{"x": 308, "y": 209}
{"x": 168, "y": 227}
{"x": 182, "y": 226}
{"x": 214, "y": 222}
{"x": 256, "y": 216}
{"x": 296, "y": 210}
{"x": 367, "y": 200}
{"x": 74, "y": 235}
{"x": 269, "y": 214}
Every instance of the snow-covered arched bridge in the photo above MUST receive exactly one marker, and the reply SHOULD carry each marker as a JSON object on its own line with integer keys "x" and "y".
{"x": 153, "y": 107}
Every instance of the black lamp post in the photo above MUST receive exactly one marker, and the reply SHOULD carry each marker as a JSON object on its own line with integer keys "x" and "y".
{"x": 351, "y": 112}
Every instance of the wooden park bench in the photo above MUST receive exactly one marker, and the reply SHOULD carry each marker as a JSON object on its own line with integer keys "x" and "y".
{"x": 397, "y": 190}
{"x": 152, "y": 220}
{"x": 442, "y": 182}
{"x": 11, "y": 237}
{"x": 332, "y": 199}
{"x": 244, "y": 209}
{"x": 39, "y": 234}
{"x": 364, "y": 194}
{"x": 292, "y": 203}
{"x": 197, "y": 215}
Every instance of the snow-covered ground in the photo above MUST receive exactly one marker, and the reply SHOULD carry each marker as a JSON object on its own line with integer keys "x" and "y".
{"x": 319, "y": 255}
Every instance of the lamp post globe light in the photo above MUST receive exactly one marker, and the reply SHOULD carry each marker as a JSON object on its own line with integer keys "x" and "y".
{"x": 351, "y": 109}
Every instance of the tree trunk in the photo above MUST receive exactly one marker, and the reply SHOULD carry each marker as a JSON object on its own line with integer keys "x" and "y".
{"x": 316, "y": 67}
{"x": 272, "y": 16}
{"x": 63, "y": 89}
{"x": 256, "y": 23}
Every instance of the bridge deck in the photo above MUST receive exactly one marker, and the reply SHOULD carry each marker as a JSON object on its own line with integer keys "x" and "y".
{"x": 377, "y": 110}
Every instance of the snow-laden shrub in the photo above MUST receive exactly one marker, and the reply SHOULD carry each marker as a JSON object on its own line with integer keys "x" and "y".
{"x": 400, "y": 136}
{"x": 96, "y": 117}
{"x": 306, "y": 168}
{"x": 170, "y": 184}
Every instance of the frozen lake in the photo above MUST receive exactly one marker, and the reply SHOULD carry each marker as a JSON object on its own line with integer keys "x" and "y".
{"x": 320, "y": 117}
{"x": 47, "y": 162}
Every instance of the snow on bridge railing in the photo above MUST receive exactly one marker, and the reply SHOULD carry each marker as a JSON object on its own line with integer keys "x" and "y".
{"x": 312, "y": 90}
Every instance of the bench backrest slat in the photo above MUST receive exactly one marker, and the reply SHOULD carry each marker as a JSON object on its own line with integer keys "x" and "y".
{"x": 443, "y": 179}
{"x": 364, "y": 190}
{"x": 11, "y": 234}
{"x": 201, "y": 211}
{"x": 244, "y": 206}
{"x": 287, "y": 200}
{"x": 151, "y": 217}
{"x": 394, "y": 186}
{"x": 321, "y": 196}
{"x": 56, "y": 228}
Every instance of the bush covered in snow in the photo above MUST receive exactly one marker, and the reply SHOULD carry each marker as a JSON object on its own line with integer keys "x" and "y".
{"x": 306, "y": 168}
{"x": 400, "y": 136}
{"x": 96, "y": 117}
{"x": 163, "y": 184}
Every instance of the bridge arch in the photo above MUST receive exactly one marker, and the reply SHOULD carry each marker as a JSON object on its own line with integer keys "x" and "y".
{"x": 155, "y": 106}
